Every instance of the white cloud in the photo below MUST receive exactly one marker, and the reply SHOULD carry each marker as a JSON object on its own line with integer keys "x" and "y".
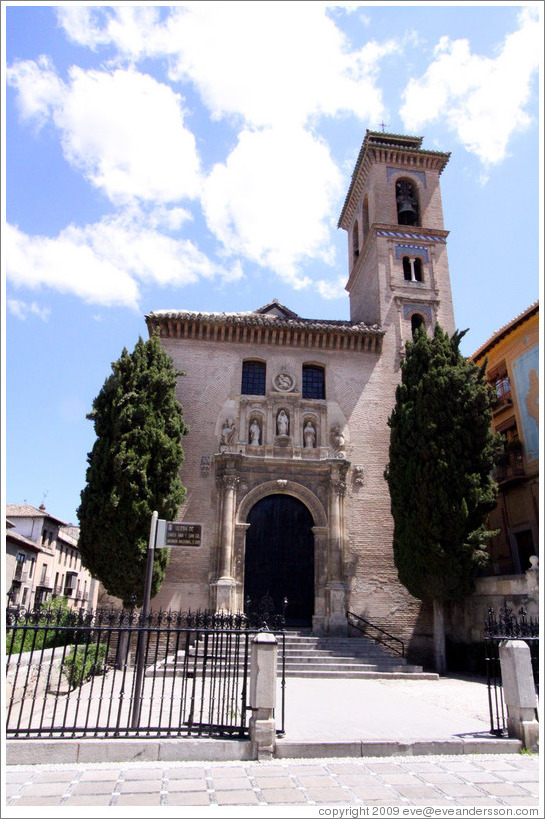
{"x": 21, "y": 309}
{"x": 123, "y": 130}
{"x": 106, "y": 263}
{"x": 330, "y": 290}
{"x": 269, "y": 62}
{"x": 271, "y": 200}
{"x": 483, "y": 99}
{"x": 67, "y": 264}
{"x": 40, "y": 90}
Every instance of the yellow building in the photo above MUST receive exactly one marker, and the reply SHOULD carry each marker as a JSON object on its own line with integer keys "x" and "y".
{"x": 512, "y": 356}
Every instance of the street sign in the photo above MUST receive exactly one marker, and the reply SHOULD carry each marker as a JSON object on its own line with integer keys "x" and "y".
{"x": 171, "y": 534}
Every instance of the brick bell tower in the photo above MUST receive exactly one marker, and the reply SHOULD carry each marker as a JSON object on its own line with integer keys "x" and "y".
{"x": 398, "y": 267}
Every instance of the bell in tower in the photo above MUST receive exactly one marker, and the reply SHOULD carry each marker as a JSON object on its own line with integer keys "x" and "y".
{"x": 407, "y": 203}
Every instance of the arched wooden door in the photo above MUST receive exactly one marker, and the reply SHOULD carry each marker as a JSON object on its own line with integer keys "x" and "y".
{"x": 279, "y": 558}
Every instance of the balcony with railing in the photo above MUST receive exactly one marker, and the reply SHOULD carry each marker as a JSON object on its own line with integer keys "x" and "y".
{"x": 20, "y": 575}
{"x": 504, "y": 398}
{"x": 510, "y": 466}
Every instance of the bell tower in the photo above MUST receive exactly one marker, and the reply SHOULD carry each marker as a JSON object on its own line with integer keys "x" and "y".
{"x": 398, "y": 266}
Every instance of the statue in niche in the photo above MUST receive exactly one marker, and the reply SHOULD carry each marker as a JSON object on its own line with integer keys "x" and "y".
{"x": 309, "y": 434}
{"x": 283, "y": 423}
{"x": 255, "y": 432}
{"x": 228, "y": 432}
{"x": 337, "y": 438}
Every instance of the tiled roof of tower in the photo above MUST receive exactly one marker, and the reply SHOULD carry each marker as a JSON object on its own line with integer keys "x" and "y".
{"x": 393, "y": 142}
{"x": 496, "y": 337}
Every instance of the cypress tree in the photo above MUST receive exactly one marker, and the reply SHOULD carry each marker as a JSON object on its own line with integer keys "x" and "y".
{"x": 442, "y": 451}
{"x": 133, "y": 469}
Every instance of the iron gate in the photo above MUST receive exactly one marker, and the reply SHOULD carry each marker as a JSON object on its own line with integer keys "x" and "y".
{"x": 506, "y": 626}
{"x": 108, "y": 674}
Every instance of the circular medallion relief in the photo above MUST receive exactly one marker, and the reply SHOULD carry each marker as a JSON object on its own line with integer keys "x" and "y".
{"x": 284, "y": 381}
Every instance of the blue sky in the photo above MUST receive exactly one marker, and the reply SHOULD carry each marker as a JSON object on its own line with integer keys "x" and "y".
{"x": 197, "y": 156}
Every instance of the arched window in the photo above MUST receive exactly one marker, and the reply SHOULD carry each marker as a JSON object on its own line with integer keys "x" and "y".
{"x": 408, "y": 211}
{"x": 416, "y": 321}
{"x": 356, "y": 240}
{"x": 365, "y": 220}
{"x": 412, "y": 269}
{"x": 313, "y": 381}
{"x": 253, "y": 378}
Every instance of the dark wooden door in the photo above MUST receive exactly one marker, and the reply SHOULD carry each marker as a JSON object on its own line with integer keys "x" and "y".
{"x": 279, "y": 557}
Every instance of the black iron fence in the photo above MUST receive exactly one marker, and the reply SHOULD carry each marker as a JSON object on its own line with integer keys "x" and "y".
{"x": 506, "y": 625}
{"x": 113, "y": 674}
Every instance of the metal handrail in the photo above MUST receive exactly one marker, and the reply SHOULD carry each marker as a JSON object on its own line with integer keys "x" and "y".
{"x": 383, "y": 640}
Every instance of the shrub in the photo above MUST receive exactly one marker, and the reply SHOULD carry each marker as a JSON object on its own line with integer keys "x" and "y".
{"x": 83, "y": 662}
{"x": 45, "y": 628}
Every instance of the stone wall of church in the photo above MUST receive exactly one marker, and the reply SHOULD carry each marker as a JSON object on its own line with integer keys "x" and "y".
{"x": 360, "y": 391}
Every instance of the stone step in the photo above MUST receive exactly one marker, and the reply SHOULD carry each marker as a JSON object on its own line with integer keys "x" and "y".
{"x": 307, "y": 655}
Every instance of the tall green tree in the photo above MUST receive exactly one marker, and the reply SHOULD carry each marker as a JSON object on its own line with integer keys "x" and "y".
{"x": 442, "y": 451}
{"x": 133, "y": 470}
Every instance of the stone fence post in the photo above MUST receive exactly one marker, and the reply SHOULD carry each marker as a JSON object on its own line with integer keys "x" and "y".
{"x": 519, "y": 692}
{"x": 263, "y": 661}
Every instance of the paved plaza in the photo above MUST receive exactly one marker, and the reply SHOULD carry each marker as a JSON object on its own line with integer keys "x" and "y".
{"x": 478, "y": 780}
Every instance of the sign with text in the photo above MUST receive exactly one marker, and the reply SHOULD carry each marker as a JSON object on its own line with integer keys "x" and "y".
{"x": 171, "y": 535}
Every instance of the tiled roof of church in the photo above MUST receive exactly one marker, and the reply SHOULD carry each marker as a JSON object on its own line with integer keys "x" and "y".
{"x": 266, "y": 316}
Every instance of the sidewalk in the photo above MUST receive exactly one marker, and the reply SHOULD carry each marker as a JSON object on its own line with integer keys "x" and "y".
{"x": 442, "y": 781}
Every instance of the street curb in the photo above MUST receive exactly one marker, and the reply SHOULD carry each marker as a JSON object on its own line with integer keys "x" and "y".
{"x": 70, "y": 751}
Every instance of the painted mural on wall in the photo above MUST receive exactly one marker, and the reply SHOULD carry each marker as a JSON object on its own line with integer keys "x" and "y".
{"x": 526, "y": 376}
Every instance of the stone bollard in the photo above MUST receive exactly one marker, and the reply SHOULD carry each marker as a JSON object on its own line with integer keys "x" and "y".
{"x": 519, "y": 692}
{"x": 263, "y": 694}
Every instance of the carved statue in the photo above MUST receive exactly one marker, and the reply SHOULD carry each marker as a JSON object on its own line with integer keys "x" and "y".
{"x": 310, "y": 435}
{"x": 228, "y": 432}
{"x": 283, "y": 423}
{"x": 337, "y": 438}
{"x": 255, "y": 432}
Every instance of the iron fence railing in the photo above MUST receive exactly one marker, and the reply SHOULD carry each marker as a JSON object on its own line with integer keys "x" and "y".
{"x": 375, "y": 633}
{"x": 506, "y": 625}
{"x": 77, "y": 674}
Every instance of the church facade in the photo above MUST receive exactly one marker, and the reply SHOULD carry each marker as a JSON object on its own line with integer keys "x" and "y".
{"x": 288, "y": 441}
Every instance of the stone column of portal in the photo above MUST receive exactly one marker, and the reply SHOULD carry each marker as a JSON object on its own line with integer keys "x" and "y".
{"x": 335, "y": 586}
{"x": 226, "y": 581}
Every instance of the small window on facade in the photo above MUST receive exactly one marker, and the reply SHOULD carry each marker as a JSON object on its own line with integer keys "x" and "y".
{"x": 356, "y": 240}
{"x": 313, "y": 381}
{"x": 253, "y": 378}
{"x": 407, "y": 203}
{"x": 416, "y": 322}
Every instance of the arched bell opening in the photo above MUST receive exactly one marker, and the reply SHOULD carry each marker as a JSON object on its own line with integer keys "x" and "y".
{"x": 408, "y": 208}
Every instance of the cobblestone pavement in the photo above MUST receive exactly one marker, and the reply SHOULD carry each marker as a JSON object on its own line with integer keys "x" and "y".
{"x": 478, "y": 780}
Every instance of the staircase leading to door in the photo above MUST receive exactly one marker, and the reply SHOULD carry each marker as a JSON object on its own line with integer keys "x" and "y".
{"x": 306, "y": 655}
{"x": 344, "y": 657}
